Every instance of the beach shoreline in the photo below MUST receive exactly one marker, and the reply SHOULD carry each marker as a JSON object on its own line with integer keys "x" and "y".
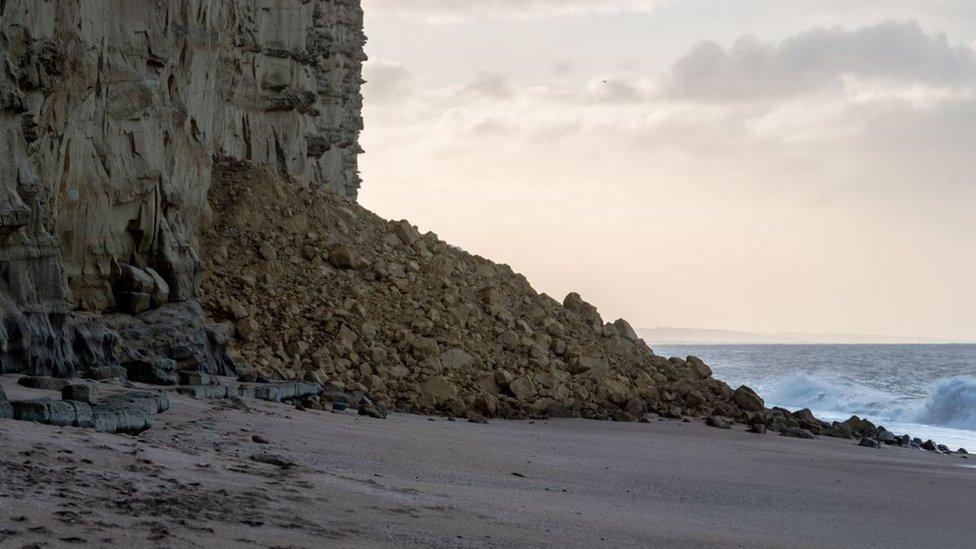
{"x": 246, "y": 473}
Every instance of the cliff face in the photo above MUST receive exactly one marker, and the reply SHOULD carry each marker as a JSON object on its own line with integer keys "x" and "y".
{"x": 111, "y": 113}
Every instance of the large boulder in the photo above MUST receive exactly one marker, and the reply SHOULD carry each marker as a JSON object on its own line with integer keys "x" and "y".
{"x": 522, "y": 388}
{"x": 407, "y": 233}
{"x": 80, "y": 392}
{"x": 456, "y": 359}
{"x": 625, "y": 330}
{"x": 154, "y": 371}
{"x": 748, "y": 400}
{"x": 699, "y": 367}
{"x": 439, "y": 390}
{"x": 584, "y": 310}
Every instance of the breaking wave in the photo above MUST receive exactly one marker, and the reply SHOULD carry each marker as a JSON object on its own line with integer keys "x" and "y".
{"x": 951, "y": 402}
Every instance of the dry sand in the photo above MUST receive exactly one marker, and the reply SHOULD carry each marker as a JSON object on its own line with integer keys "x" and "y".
{"x": 413, "y": 481}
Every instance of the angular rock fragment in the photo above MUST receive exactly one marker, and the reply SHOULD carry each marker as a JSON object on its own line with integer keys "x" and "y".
{"x": 717, "y": 422}
{"x": 406, "y": 232}
{"x": 439, "y": 389}
{"x": 796, "y": 432}
{"x": 748, "y": 400}
{"x": 43, "y": 383}
{"x": 869, "y": 443}
{"x": 702, "y": 371}
{"x": 343, "y": 257}
{"x": 757, "y": 428}
{"x": 153, "y": 371}
{"x": 80, "y": 392}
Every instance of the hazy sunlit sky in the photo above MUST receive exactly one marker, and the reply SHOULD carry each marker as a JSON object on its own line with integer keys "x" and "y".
{"x": 758, "y": 165}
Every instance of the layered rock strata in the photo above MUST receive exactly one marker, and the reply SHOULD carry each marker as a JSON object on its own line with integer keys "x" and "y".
{"x": 111, "y": 112}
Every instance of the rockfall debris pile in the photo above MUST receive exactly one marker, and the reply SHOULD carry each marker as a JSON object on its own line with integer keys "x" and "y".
{"x": 310, "y": 286}
{"x": 315, "y": 287}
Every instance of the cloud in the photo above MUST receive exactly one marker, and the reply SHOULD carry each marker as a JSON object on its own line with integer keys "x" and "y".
{"x": 388, "y": 81}
{"x": 448, "y": 10}
{"x": 869, "y": 94}
{"x": 899, "y": 53}
{"x": 491, "y": 86}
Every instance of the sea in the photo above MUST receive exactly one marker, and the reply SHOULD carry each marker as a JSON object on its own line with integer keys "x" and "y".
{"x": 928, "y": 391}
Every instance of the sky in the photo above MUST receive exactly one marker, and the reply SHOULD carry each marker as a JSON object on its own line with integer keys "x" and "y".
{"x": 754, "y": 165}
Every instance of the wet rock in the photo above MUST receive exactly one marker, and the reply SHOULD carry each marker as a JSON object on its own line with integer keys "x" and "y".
{"x": 210, "y": 392}
{"x": 43, "y": 383}
{"x": 130, "y": 412}
{"x": 277, "y": 461}
{"x": 702, "y": 371}
{"x": 930, "y": 446}
{"x": 280, "y": 391}
{"x": 717, "y": 422}
{"x": 80, "y": 392}
{"x": 841, "y": 430}
{"x": 869, "y": 443}
{"x": 861, "y": 426}
{"x": 175, "y": 331}
{"x": 370, "y": 409}
{"x": 133, "y": 302}
{"x": 53, "y": 412}
{"x": 103, "y": 373}
{"x": 757, "y": 428}
{"x": 152, "y": 371}
{"x": 559, "y": 411}
{"x": 806, "y": 416}
{"x": 196, "y": 378}
{"x": 748, "y": 400}
{"x": 796, "y": 432}
{"x": 623, "y": 417}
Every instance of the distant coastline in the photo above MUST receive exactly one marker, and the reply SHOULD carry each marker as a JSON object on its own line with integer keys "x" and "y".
{"x": 699, "y": 336}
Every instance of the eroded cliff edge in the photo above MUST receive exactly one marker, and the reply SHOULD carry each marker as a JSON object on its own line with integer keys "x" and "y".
{"x": 111, "y": 113}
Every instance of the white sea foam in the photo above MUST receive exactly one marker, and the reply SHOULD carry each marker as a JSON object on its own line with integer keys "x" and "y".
{"x": 928, "y": 391}
{"x": 951, "y": 403}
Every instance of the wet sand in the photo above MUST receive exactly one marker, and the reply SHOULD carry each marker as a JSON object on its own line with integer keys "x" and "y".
{"x": 199, "y": 479}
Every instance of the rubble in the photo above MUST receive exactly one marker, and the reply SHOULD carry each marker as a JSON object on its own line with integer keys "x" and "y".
{"x": 311, "y": 286}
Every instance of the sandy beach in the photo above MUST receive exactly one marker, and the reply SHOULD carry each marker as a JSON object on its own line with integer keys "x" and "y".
{"x": 205, "y": 477}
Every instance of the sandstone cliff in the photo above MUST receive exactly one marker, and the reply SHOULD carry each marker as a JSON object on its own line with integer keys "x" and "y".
{"x": 111, "y": 112}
